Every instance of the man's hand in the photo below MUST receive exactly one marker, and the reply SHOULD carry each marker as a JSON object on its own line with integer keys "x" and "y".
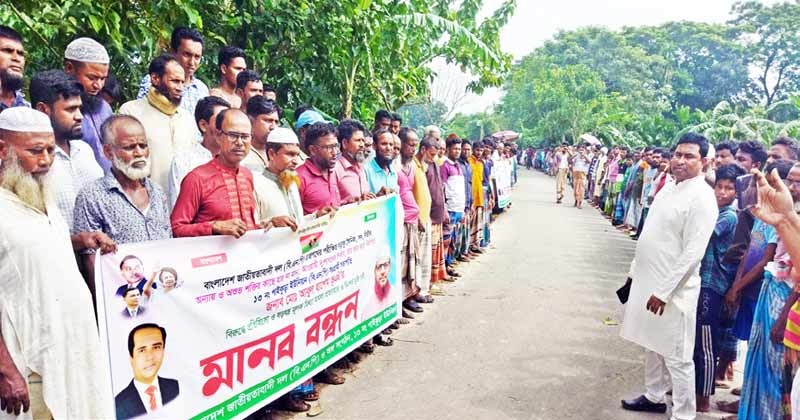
{"x": 325, "y": 210}
{"x": 368, "y": 196}
{"x": 655, "y": 305}
{"x": 95, "y": 240}
{"x": 284, "y": 221}
{"x": 233, "y": 227}
{"x": 385, "y": 191}
{"x": 732, "y": 298}
{"x": 776, "y": 334}
{"x": 775, "y": 204}
{"x": 14, "y": 396}
{"x": 420, "y": 226}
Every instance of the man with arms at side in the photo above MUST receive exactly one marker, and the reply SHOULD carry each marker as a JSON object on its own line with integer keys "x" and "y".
{"x": 264, "y": 115}
{"x": 125, "y": 205}
{"x": 230, "y": 61}
{"x": 205, "y": 115}
{"x": 186, "y": 45}
{"x": 412, "y": 226}
{"x": 381, "y": 176}
{"x": 50, "y": 357}
{"x": 661, "y": 310}
{"x": 147, "y": 392}
{"x": 87, "y": 61}
{"x": 350, "y": 174}
{"x": 455, "y": 202}
{"x": 12, "y": 69}
{"x": 168, "y": 126}
{"x": 218, "y": 198}
{"x": 422, "y": 195}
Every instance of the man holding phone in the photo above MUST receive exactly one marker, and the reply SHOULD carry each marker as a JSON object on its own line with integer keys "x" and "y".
{"x": 662, "y": 307}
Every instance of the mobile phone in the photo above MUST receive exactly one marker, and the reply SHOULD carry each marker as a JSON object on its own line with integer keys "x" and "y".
{"x": 746, "y": 191}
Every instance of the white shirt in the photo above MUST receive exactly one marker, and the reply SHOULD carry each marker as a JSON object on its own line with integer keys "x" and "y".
{"x": 70, "y": 173}
{"x": 667, "y": 263}
{"x": 46, "y": 314}
{"x": 166, "y": 135}
{"x": 184, "y": 162}
{"x": 141, "y": 388}
{"x": 255, "y": 162}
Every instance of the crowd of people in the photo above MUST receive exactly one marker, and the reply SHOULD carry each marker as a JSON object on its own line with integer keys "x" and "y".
{"x": 713, "y": 267}
{"x": 183, "y": 160}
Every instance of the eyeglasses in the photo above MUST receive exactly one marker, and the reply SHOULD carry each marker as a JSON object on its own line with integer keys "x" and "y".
{"x": 237, "y": 137}
{"x": 333, "y": 148}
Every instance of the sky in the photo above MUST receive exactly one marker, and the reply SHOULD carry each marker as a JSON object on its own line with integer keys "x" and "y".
{"x": 536, "y": 21}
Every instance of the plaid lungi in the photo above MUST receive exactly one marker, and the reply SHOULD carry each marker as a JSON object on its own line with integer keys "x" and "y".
{"x": 409, "y": 258}
{"x": 438, "y": 269}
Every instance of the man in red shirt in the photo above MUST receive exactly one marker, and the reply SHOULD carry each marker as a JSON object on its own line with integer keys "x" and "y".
{"x": 318, "y": 181}
{"x": 217, "y": 198}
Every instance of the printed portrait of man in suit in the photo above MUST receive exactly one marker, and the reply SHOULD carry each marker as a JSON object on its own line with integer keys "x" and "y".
{"x": 147, "y": 392}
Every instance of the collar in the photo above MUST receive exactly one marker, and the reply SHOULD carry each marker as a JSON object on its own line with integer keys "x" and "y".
{"x": 450, "y": 161}
{"x": 10, "y": 196}
{"x": 378, "y": 168}
{"x": 312, "y": 168}
{"x": 111, "y": 183}
{"x": 222, "y": 168}
{"x": 73, "y": 150}
{"x": 142, "y": 387}
{"x": 347, "y": 164}
{"x": 420, "y": 164}
{"x": 19, "y": 100}
{"x": 161, "y": 102}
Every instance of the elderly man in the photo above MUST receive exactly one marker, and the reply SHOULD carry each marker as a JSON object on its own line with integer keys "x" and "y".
{"x": 264, "y": 115}
{"x": 662, "y": 307}
{"x": 125, "y": 204}
{"x": 231, "y": 61}
{"x": 353, "y": 185}
{"x": 217, "y": 198}
{"x": 318, "y": 184}
{"x": 187, "y": 46}
{"x": 429, "y": 150}
{"x": 50, "y": 357}
{"x": 423, "y": 197}
{"x": 412, "y": 226}
{"x": 205, "y": 114}
{"x": 59, "y": 96}
{"x": 12, "y": 69}
{"x": 168, "y": 126}
{"x": 87, "y": 60}
{"x": 248, "y": 85}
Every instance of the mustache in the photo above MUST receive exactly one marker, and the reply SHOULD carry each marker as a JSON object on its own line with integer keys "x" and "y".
{"x": 33, "y": 190}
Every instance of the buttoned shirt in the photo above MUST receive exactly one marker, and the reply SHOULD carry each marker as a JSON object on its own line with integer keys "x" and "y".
{"x": 317, "y": 188}
{"x": 19, "y": 100}
{"x": 454, "y": 190}
{"x": 141, "y": 388}
{"x": 255, "y": 161}
{"x": 103, "y": 205}
{"x": 378, "y": 178}
{"x": 352, "y": 179}
{"x": 405, "y": 180}
{"x": 210, "y": 193}
{"x": 183, "y": 163}
{"x": 70, "y": 173}
{"x": 193, "y": 92}
{"x": 91, "y": 132}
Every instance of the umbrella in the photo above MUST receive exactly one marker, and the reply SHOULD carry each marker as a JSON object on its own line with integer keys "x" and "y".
{"x": 506, "y": 135}
{"x": 588, "y": 138}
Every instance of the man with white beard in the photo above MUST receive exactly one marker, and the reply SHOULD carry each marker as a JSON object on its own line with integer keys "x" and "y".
{"x": 125, "y": 204}
{"x": 50, "y": 361}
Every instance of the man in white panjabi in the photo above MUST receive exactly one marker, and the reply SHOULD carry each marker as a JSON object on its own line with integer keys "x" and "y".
{"x": 661, "y": 310}
{"x": 50, "y": 358}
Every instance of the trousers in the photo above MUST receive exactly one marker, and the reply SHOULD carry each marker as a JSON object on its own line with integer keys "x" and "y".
{"x": 561, "y": 181}
{"x": 658, "y": 371}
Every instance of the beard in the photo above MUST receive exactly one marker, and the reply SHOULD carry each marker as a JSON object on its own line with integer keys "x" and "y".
{"x": 382, "y": 292}
{"x": 11, "y": 82}
{"x": 90, "y": 103}
{"x": 383, "y": 160}
{"x": 130, "y": 171}
{"x": 164, "y": 91}
{"x": 287, "y": 178}
{"x": 33, "y": 190}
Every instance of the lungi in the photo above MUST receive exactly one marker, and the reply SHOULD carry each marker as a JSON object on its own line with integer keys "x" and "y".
{"x": 438, "y": 246}
{"x": 409, "y": 258}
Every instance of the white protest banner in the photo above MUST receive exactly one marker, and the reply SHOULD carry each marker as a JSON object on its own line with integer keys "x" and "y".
{"x": 216, "y": 327}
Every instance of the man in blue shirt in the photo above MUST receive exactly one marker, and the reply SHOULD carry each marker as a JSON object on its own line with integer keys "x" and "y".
{"x": 12, "y": 69}
{"x": 714, "y": 284}
{"x": 382, "y": 179}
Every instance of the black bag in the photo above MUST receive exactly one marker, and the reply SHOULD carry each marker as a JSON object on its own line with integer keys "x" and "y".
{"x": 624, "y": 291}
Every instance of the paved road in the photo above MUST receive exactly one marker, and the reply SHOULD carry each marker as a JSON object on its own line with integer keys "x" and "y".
{"x": 521, "y": 336}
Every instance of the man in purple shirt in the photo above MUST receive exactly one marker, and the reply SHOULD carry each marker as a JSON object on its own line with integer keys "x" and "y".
{"x": 455, "y": 202}
{"x": 87, "y": 60}
{"x": 349, "y": 169}
{"x": 318, "y": 183}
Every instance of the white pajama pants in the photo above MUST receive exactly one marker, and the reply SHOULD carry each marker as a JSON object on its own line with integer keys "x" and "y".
{"x": 425, "y": 261}
{"x": 658, "y": 371}
{"x": 795, "y": 398}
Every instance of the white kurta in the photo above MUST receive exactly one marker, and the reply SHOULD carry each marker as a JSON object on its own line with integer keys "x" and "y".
{"x": 46, "y": 313}
{"x": 166, "y": 136}
{"x": 667, "y": 264}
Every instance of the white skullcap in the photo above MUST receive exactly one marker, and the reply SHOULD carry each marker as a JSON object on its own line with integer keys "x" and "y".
{"x": 86, "y": 50}
{"x": 604, "y": 150}
{"x": 282, "y": 135}
{"x": 25, "y": 120}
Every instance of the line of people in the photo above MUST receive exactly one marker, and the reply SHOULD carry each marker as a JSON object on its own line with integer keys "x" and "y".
{"x": 183, "y": 160}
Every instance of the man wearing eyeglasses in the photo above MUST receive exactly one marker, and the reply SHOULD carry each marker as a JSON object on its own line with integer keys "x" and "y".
{"x": 319, "y": 186}
{"x": 218, "y": 198}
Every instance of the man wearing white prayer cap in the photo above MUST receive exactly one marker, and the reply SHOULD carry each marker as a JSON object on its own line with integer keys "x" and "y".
{"x": 87, "y": 60}
{"x": 50, "y": 355}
